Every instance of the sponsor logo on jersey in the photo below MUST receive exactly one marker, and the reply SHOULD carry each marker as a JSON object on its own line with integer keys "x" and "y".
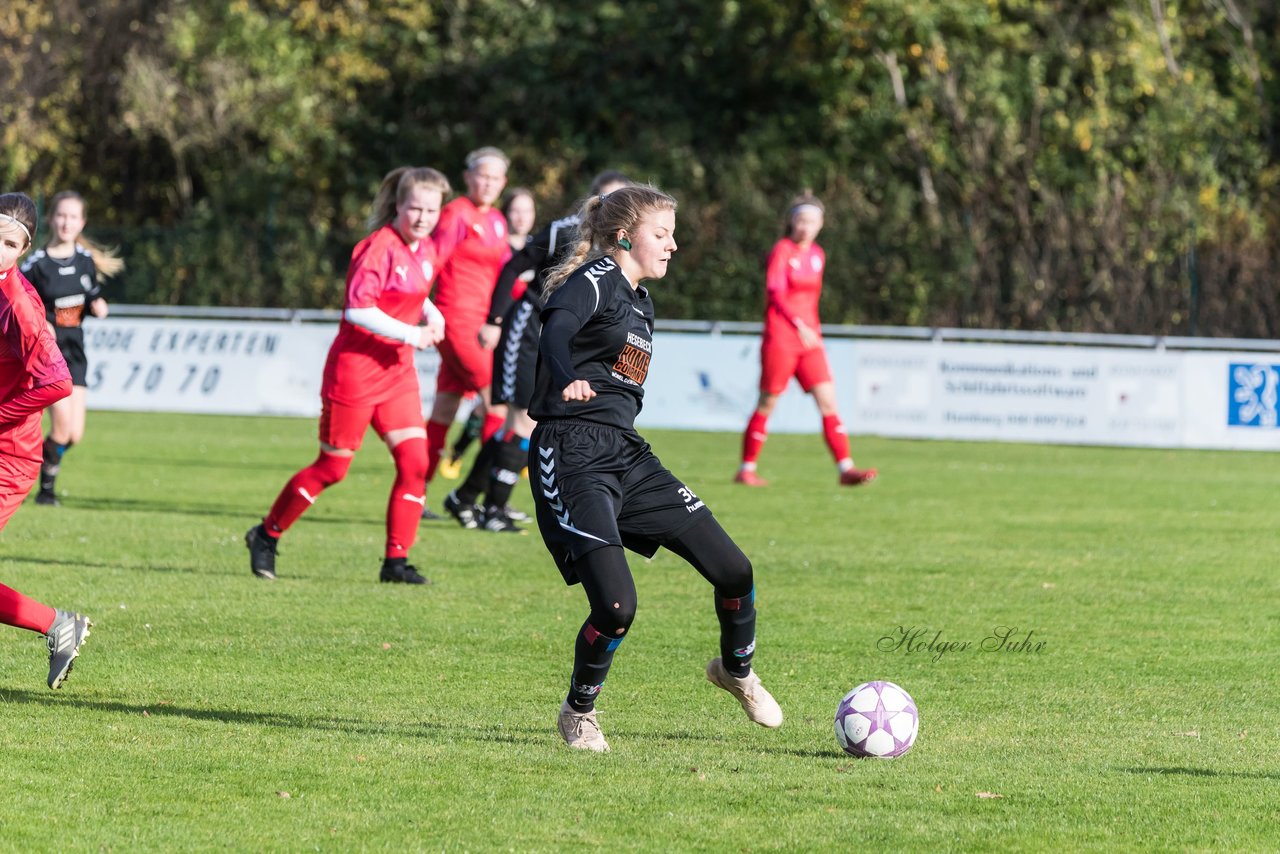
{"x": 67, "y": 271}
{"x": 636, "y": 341}
{"x": 633, "y": 363}
{"x": 402, "y": 270}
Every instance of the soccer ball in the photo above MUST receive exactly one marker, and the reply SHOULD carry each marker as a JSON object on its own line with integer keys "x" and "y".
{"x": 877, "y": 719}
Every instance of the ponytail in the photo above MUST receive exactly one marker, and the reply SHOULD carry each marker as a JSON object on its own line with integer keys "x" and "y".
{"x": 579, "y": 252}
{"x": 106, "y": 261}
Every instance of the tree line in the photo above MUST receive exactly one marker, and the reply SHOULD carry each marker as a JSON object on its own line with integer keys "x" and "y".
{"x": 1073, "y": 165}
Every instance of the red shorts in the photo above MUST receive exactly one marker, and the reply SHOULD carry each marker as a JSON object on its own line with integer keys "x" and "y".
{"x": 17, "y": 476}
{"x": 779, "y": 364}
{"x": 464, "y": 365}
{"x": 343, "y": 426}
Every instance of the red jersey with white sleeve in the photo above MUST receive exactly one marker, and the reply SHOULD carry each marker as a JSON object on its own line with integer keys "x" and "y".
{"x": 793, "y": 285}
{"x": 473, "y": 248}
{"x": 33, "y": 373}
{"x": 363, "y": 367}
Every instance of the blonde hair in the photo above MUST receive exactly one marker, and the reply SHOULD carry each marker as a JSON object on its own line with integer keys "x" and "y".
{"x": 106, "y": 261}
{"x": 805, "y": 199}
{"x": 396, "y": 187}
{"x": 600, "y": 219}
{"x": 474, "y": 157}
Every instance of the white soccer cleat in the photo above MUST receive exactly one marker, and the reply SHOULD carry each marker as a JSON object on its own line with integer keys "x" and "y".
{"x": 580, "y": 729}
{"x": 756, "y": 701}
{"x": 64, "y": 638}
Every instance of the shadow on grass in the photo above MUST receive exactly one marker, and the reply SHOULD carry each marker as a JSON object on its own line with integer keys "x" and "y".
{"x": 487, "y": 733}
{"x": 284, "y": 720}
{"x": 285, "y": 468}
{"x": 246, "y": 513}
{"x": 48, "y": 561}
{"x": 1205, "y": 772}
{"x": 168, "y": 568}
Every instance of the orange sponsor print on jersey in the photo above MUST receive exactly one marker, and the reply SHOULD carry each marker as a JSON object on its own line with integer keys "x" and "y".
{"x": 633, "y": 364}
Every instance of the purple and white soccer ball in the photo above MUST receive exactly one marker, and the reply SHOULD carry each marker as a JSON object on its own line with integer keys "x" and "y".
{"x": 877, "y": 719}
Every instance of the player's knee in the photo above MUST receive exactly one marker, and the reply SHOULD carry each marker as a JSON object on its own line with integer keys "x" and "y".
{"x": 411, "y": 459}
{"x": 624, "y": 614}
{"x": 617, "y": 618}
{"x": 331, "y": 468}
{"x": 735, "y": 571}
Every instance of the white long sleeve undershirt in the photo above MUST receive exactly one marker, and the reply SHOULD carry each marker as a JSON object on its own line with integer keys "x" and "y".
{"x": 379, "y": 322}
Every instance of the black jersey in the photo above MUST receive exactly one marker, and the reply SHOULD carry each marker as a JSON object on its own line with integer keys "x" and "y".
{"x": 67, "y": 285}
{"x": 541, "y": 252}
{"x": 598, "y": 328}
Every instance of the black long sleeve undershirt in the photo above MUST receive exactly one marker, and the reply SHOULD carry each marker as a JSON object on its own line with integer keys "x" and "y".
{"x": 558, "y": 329}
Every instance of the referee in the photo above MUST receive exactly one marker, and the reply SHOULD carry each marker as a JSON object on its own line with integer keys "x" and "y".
{"x": 597, "y": 485}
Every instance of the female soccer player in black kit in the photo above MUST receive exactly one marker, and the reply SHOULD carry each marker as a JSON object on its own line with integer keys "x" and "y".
{"x": 497, "y": 467}
{"x": 66, "y": 273}
{"x": 597, "y": 485}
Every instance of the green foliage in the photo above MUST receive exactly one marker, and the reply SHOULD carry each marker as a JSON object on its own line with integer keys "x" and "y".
{"x": 1020, "y": 163}
{"x": 210, "y": 710}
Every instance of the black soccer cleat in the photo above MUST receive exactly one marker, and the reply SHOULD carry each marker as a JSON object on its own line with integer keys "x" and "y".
{"x": 468, "y": 515}
{"x": 498, "y": 522}
{"x": 397, "y": 571}
{"x": 262, "y": 552}
{"x": 47, "y": 498}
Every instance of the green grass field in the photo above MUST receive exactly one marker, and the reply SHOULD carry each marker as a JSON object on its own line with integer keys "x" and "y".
{"x": 328, "y": 712}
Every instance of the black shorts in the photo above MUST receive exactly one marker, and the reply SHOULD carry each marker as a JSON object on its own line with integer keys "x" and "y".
{"x": 596, "y": 486}
{"x": 517, "y": 356}
{"x": 71, "y": 344}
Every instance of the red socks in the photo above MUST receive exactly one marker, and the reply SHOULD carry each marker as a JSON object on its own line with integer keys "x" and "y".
{"x": 492, "y": 424}
{"x": 837, "y": 441}
{"x": 404, "y": 507}
{"x": 754, "y": 437}
{"x": 437, "y": 433}
{"x": 24, "y": 612}
{"x": 303, "y": 489}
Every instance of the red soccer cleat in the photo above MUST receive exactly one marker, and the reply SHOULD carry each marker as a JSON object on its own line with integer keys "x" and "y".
{"x": 857, "y": 477}
{"x": 749, "y": 478}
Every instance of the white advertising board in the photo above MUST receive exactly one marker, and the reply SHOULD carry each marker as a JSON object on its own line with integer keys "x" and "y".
{"x": 706, "y": 381}
{"x": 226, "y": 367}
{"x": 982, "y": 391}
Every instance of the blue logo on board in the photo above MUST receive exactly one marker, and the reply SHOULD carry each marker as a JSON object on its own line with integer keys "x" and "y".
{"x": 1252, "y": 395}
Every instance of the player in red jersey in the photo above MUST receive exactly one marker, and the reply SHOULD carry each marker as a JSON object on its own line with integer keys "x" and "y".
{"x": 33, "y": 375}
{"x": 370, "y": 377}
{"x": 472, "y": 241}
{"x": 520, "y": 211}
{"x": 792, "y": 345}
